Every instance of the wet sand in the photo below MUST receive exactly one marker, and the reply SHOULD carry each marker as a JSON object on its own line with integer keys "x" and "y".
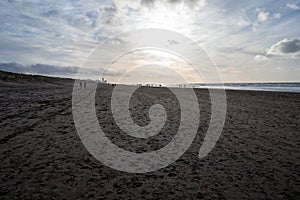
{"x": 42, "y": 157}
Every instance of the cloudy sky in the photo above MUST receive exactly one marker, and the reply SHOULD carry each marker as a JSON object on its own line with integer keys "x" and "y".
{"x": 249, "y": 41}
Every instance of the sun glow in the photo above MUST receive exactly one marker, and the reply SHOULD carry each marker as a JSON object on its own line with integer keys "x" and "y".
{"x": 172, "y": 18}
{"x": 160, "y": 66}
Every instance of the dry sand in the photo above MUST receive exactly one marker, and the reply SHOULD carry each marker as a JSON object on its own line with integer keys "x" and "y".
{"x": 42, "y": 157}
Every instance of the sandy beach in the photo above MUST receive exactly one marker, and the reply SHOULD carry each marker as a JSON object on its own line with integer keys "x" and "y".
{"x": 42, "y": 156}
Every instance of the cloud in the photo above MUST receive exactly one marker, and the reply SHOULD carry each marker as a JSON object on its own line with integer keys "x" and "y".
{"x": 38, "y": 69}
{"x": 276, "y": 16}
{"x": 148, "y": 3}
{"x": 260, "y": 58}
{"x": 285, "y": 47}
{"x": 191, "y": 4}
{"x": 130, "y": 12}
{"x": 108, "y": 14}
{"x": 293, "y": 6}
{"x": 195, "y": 4}
{"x": 262, "y": 16}
{"x": 51, "y": 70}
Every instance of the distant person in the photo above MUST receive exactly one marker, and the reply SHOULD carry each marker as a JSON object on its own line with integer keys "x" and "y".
{"x": 80, "y": 84}
{"x": 84, "y": 84}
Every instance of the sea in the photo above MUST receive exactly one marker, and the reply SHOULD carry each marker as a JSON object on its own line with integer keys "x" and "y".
{"x": 275, "y": 87}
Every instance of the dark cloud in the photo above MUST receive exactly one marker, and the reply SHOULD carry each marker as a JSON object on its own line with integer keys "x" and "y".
{"x": 148, "y": 3}
{"x": 51, "y": 70}
{"x": 285, "y": 47}
{"x": 289, "y": 46}
{"x": 38, "y": 69}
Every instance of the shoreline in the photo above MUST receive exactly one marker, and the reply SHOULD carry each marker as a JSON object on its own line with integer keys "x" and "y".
{"x": 16, "y": 77}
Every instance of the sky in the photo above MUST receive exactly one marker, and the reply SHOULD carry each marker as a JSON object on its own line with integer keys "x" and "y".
{"x": 249, "y": 41}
